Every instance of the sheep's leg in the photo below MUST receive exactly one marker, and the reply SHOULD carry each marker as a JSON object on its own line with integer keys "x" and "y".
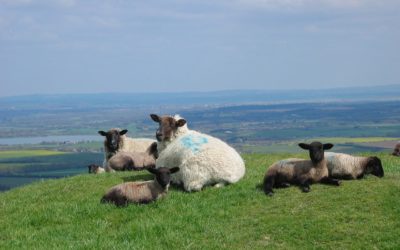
{"x": 330, "y": 181}
{"x": 305, "y": 186}
{"x": 283, "y": 185}
{"x": 360, "y": 176}
{"x": 269, "y": 181}
{"x": 193, "y": 186}
{"x": 347, "y": 177}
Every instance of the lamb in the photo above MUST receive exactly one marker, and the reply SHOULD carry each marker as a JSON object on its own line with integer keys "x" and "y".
{"x": 344, "y": 166}
{"x": 116, "y": 141}
{"x": 95, "y": 169}
{"x": 133, "y": 160}
{"x": 299, "y": 171}
{"x": 141, "y": 192}
{"x": 396, "y": 150}
{"x": 203, "y": 160}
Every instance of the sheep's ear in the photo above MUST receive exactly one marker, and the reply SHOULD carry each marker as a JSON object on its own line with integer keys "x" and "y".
{"x": 155, "y": 118}
{"x": 173, "y": 170}
{"x": 328, "y": 146}
{"x": 122, "y": 132}
{"x": 152, "y": 170}
{"x": 304, "y": 146}
{"x": 102, "y": 133}
{"x": 153, "y": 149}
{"x": 180, "y": 122}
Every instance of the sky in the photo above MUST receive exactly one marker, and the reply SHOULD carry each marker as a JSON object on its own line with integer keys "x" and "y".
{"x": 88, "y": 46}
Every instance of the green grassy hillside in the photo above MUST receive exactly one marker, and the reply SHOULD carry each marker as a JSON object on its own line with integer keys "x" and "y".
{"x": 66, "y": 213}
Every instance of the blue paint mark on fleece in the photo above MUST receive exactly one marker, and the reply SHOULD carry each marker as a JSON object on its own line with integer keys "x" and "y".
{"x": 193, "y": 142}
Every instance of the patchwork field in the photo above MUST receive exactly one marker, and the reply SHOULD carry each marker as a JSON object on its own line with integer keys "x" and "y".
{"x": 66, "y": 213}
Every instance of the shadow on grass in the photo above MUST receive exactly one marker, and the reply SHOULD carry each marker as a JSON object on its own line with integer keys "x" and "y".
{"x": 142, "y": 177}
{"x": 148, "y": 177}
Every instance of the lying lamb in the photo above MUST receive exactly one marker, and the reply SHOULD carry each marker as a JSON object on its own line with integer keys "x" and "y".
{"x": 203, "y": 160}
{"x": 299, "y": 171}
{"x": 133, "y": 160}
{"x": 95, "y": 169}
{"x": 141, "y": 192}
{"x": 116, "y": 141}
{"x": 344, "y": 166}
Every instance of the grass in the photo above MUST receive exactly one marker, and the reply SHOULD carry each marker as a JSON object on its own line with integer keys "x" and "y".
{"x": 66, "y": 213}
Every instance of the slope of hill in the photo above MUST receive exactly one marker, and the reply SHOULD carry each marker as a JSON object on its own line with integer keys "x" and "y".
{"x": 66, "y": 213}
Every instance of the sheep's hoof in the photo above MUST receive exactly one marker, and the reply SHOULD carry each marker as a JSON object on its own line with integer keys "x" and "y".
{"x": 270, "y": 194}
{"x": 218, "y": 185}
{"x": 306, "y": 189}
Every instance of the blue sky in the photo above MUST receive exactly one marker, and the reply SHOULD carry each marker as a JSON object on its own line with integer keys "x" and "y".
{"x": 72, "y": 46}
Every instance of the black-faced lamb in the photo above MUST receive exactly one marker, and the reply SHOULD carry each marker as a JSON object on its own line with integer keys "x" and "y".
{"x": 95, "y": 169}
{"x": 141, "y": 192}
{"x": 396, "y": 150}
{"x": 133, "y": 160}
{"x": 345, "y": 166}
{"x": 299, "y": 171}
{"x": 116, "y": 141}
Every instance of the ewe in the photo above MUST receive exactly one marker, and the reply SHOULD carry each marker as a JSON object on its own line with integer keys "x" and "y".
{"x": 116, "y": 141}
{"x": 203, "y": 160}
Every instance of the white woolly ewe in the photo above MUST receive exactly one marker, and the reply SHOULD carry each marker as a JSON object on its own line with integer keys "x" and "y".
{"x": 203, "y": 160}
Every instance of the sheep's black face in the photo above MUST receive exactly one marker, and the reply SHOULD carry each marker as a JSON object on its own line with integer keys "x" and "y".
{"x": 93, "y": 168}
{"x": 167, "y": 126}
{"x": 113, "y": 138}
{"x": 316, "y": 150}
{"x": 374, "y": 166}
{"x": 163, "y": 175}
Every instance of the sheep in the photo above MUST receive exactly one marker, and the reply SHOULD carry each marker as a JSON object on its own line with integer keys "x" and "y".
{"x": 116, "y": 141}
{"x": 133, "y": 160}
{"x": 141, "y": 192}
{"x": 396, "y": 150}
{"x": 203, "y": 160}
{"x": 299, "y": 171}
{"x": 95, "y": 169}
{"x": 344, "y": 166}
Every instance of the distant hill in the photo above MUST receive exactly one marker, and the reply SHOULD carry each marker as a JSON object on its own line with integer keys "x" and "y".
{"x": 228, "y": 97}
